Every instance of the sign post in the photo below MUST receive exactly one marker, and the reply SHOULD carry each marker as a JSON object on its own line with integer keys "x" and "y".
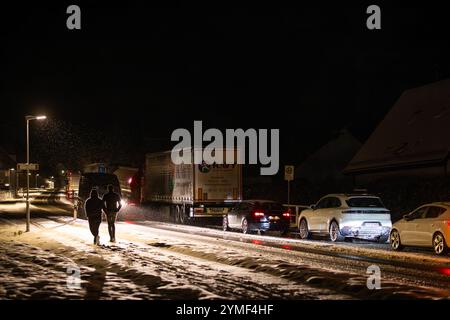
{"x": 289, "y": 176}
{"x": 27, "y": 167}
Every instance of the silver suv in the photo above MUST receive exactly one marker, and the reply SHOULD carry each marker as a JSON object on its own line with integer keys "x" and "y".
{"x": 343, "y": 216}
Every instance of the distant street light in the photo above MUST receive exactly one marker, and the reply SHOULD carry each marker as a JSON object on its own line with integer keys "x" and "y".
{"x": 37, "y": 175}
{"x": 28, "y": 119}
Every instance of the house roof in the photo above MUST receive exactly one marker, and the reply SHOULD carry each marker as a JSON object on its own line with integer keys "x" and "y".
{"x": 416, "y": 131}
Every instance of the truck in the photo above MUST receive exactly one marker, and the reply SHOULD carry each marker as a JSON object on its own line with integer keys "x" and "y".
{"x": 72, "y": 184}
{"x": 190, "y": 191}
{"x": 126, "y": 176}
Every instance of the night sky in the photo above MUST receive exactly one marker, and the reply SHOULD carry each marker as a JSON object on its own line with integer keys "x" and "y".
{"x": 134, "y": 73}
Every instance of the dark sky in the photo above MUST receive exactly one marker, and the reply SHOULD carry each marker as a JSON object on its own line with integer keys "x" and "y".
{"x": 134, "y": 73}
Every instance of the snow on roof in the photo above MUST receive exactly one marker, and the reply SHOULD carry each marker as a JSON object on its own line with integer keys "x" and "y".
{"x": 415, "y": 131}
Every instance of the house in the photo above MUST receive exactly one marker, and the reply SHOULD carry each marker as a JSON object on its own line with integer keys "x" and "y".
{"x": 413, "y": 140}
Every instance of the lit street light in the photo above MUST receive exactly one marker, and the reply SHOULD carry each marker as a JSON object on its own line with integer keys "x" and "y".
{"x": 28, "y": 119}
{"x": 37, "y": 175}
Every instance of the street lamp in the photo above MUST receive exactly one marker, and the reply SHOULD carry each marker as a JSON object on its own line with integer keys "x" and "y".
{"x": 28, "y": 119}
{"x": 37, "y": 175}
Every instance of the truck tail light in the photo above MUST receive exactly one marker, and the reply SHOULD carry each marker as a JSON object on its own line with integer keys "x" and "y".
{"x": 258, "y": 214}
{"x": 287, "y": 214}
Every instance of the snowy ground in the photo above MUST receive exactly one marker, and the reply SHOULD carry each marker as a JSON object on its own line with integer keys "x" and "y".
{"x": 154, "y": 260}
{"x": 34, "y": 265}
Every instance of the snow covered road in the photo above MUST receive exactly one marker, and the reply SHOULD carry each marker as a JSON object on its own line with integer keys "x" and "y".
{"x": 154, "y": 260}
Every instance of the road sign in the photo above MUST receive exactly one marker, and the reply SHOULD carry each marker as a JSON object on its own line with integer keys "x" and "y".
{"x": 29, "y": 166}
{"x": 288, "y": 173}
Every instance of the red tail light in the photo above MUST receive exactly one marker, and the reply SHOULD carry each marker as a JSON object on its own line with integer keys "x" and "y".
{"x": 287, "y": 214}
{"x": 448, "y": 223}
{"x": 258, "y": 214}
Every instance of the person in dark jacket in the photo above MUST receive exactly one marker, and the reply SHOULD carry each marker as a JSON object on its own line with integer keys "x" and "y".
{"x": 93, "y": 208}
{"x": 112, "y": 203}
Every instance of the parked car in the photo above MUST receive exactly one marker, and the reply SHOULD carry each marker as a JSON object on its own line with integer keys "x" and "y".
{"x": 343, "y": 216}
{"x": 257, "y": 215}
{"x": 427, "y": 226}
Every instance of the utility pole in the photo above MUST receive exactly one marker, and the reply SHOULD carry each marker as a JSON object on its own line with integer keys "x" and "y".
{"x": 28, "y": 119}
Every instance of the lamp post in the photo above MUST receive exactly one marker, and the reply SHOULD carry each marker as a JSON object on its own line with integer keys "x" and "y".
{"x": 36, "y": 176}
{"x": 28, "y": 119}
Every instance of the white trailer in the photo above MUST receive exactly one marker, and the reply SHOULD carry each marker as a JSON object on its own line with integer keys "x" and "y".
{"x": 190, "y": 190}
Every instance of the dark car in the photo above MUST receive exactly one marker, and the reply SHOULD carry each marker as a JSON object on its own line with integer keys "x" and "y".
{"x": 258, "y": 215}
{"x": 99, "y": 181}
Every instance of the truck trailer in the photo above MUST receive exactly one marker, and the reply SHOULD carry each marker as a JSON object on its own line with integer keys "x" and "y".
{"x": 72, "y": 184}
{"x": 190, "y": 191}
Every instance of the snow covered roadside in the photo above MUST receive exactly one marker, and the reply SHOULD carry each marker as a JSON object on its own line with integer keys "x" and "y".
{"x": 148, "y": 263}
{"x": 35, "y": 265}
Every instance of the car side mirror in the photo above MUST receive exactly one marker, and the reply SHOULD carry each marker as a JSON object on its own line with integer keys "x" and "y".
{"x": 407, "y": 217}
{"x": 313, "y": 206}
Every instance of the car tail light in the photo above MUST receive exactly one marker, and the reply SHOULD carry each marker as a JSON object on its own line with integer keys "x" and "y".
{"x": 448, "y": 223}
{"x": 258, "y": 214}
{"x": 287, "y": 214}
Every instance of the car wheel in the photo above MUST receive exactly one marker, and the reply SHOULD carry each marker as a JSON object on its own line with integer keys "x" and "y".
{"x": 225, "y": 225}
{"x": 303, "y": 229}
{"x": 245, "y": 229}
{"x": 335, "y": 233}
{"x": 396, "y": 243}
{"x": 439, "y": 245}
